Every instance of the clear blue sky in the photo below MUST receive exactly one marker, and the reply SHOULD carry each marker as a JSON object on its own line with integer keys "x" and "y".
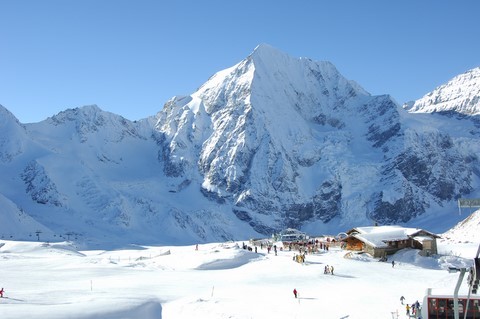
{"x": 130, "y": 57}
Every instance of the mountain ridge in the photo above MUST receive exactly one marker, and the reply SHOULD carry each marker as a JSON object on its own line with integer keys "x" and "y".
{"x": 272, "y": 142}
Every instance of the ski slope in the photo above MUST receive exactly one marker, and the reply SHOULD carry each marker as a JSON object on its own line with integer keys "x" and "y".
{"x": 219, "y": 280}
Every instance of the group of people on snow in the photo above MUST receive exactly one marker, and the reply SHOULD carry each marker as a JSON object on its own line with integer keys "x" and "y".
{"x": 412, "y": 309}
{"x": 328, "y": 270}
{"x": 300, "y": 258}
{"x": 310, "y": 246}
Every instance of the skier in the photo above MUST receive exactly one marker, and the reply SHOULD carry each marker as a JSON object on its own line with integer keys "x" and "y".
{"x": 331, "y": 270}
{"x": 393, "y": 263}
{"x": 295, "y": 292}
{"x": 1, "y": 293}
{"x": 408, "y": 309}
{"x": 402, "y": 298}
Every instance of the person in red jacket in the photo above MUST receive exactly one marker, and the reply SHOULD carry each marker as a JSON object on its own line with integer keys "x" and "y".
{"x": 295, "y": 292}
{"x": 1, "y": 293}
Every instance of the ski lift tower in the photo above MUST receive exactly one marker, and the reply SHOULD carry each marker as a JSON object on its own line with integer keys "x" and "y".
{"x": 69, "y": 234}
{"x": 473, "y": 281}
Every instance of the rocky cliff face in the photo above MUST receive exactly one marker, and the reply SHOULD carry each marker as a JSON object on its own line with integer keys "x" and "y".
{"x": 270, "y": 143}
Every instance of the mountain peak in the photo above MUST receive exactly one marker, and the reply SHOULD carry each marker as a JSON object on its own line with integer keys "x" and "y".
{"x": 265, "y": 55}
{"x": 264, "y": 47}
{"x": 6, "y": 116}
{"x": 266, "y": 50}
{"x": 461, "y": 94}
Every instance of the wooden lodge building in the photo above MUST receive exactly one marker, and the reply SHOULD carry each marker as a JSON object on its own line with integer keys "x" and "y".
{"x": 380, "y": 241}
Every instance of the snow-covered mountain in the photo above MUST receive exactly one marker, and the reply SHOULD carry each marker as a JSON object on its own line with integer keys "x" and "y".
{"x": 269, "y": 143}
{"x": 461, "y": 95}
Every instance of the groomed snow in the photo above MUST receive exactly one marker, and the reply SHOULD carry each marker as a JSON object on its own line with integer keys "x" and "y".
{"x": 219, "y": 280}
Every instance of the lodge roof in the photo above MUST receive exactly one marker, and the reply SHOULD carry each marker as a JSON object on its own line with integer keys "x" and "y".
{"x": 379, "y": 236}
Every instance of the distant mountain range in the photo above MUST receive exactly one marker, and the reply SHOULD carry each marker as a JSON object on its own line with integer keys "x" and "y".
{"x": 270, "y": 143}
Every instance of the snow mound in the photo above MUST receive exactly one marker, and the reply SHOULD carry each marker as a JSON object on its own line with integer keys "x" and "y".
{"x": 240, "y": 258}
{"x": 360, "y": 256}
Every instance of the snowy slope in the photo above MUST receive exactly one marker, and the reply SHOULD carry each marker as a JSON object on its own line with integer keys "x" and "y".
{"x": 96, "y": 177}
{"x": 16, "y": 221}
{"x": 12, "y": 136}
{"x": 467, "y": 230}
